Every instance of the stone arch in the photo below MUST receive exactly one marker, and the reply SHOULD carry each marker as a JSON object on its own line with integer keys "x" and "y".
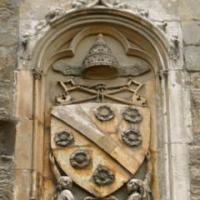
{"x": 152, "y": 45}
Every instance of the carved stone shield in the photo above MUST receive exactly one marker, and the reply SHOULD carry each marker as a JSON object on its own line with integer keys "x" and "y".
{"x": 100, "y": 145}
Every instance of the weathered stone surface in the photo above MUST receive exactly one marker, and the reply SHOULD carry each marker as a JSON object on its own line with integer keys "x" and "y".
{"x": 195, "y": 80}
{"x": 196, "y": 110}
{"x": 24, "y": 136}
{"x": 189, "y": 9}
{"x": 191, "y": 30}
{"x": 6, "y": 177}
{"x": 195, "y": 172}
{"x": 22, "y": 180}
{"x": 192, "y": 58}
{"x": 8, "y": 61}
{"x": 159, "y": 9}
{"x": 5, "y": 90}
{"x": 195, "y": 156}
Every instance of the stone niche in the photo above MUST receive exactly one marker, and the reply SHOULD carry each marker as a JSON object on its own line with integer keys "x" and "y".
{"x": 100, "y": 107}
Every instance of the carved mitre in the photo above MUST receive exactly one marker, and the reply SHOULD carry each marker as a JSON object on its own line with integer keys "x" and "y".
{"x": 100, "y": 62}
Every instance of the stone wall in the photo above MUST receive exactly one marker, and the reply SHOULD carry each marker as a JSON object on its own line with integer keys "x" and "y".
{"x": 191, "y": 32}
{"x": 184, "y": 14}
{"x": 8, "y": 62}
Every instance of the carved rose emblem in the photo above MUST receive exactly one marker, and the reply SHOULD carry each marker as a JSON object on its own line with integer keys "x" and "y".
{"x": 80, "y": 159}
{"x": 104, "y": 113}
{"x": 132, "y": 115}
{"x": 103, "y": 176}
{"x": 63, "y": 139}
{"x": 132, "y": 137}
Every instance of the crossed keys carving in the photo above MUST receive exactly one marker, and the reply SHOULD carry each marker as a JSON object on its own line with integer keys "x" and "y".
{"x": 100, "y": 92}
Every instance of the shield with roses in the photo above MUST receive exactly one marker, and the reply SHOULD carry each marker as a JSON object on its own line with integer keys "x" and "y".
{"x": 100, "y": 145}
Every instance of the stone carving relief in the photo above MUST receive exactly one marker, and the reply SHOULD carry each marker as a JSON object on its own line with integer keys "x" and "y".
{"x": 116, "y": 4}
{"x": 141, "y": 189}
{"x": 80, "y": 159}
{"x": 98, "y": 128}
{"x": 101, "y": 55}
{"x": 63, "y": 139}
{"x": 103, "y": 176}
{"x": 64, "y": 183}
{"x": 104, "y": 113}
{"x": 132, "y": 137}
{"x": 132, "y": 115}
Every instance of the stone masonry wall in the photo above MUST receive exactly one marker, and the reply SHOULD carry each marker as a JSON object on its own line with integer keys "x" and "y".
{"x": 8, "y": 62}
{"x": 191, "y": 32}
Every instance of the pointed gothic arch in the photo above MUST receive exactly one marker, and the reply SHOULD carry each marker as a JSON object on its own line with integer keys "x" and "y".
{"x": 140, "y": 38}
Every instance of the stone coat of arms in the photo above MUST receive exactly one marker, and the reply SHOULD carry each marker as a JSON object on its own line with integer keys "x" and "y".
{"x": 99, "y": 145}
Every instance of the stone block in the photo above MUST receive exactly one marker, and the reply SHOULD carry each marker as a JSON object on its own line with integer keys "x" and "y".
{"x": 5, "y": 98}
{"x": 192, "y": 58}
{"x": 6, "y": 177}
{"x": 195, "y": 192}
{"x": 7, "y": 9}
{"x": 191, "y": 30}
{"x": 23, "y": 153}
{"x": 159, "y": 9}
{"x": 180, "y": 174}
{"x": 195, "y": 98}
{"x": 195, "y": 156}
{"x": 24, "y": 94}
{"x": 195, "y": 174}
{"x": 189, "y": 9}
{"x": 7, "y": 39}
{"x": 195, "y": 80}
{"x": 22, "y": 184}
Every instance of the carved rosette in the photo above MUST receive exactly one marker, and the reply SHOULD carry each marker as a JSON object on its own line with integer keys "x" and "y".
{"x": 103, "y": 176}
{"x": 132, "y": 138}
{"x": 63, "y": 139}
{"x": 80, "y": 159}
{"x": 104, "y": 113}
{"x": 132, "y": 115}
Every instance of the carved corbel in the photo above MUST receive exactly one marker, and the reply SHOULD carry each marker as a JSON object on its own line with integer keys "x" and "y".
{"x": 37, "y": 73}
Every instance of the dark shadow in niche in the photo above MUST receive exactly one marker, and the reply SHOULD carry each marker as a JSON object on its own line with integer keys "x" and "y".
{"x": 7, "y": 147}
{"x": 7, "y": 137}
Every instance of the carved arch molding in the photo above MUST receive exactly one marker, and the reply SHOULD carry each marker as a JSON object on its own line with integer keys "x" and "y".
{"x": 99, "y": 96}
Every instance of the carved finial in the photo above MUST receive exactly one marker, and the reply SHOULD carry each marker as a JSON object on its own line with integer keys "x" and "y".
{"x": 100, "y": 39}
